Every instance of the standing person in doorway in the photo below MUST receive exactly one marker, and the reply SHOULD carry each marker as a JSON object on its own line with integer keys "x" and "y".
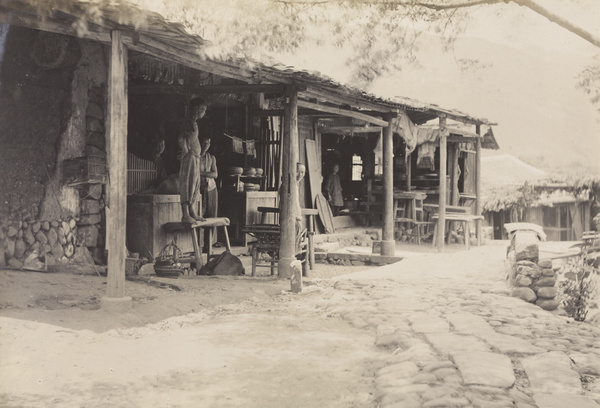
{"x": 190, "y": 170}
{"x": 333, "y": 190}
{"x": 208, "y": 186}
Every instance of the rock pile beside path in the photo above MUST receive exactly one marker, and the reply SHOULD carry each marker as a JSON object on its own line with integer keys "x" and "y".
{"x": 535, "y": 283}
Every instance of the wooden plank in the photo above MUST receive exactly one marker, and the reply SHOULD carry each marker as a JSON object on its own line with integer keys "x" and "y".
{"x": 343, "y": 112}
{"x": 314, "y": 174}
{"x": 116, "y": 205}
{"x": 325, "y": 213}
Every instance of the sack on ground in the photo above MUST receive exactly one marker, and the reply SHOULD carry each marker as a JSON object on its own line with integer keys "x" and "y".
{"x": 224, "y": 264}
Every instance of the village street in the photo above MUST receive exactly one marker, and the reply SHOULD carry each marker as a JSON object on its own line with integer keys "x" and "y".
{"x": 435, "y": 330}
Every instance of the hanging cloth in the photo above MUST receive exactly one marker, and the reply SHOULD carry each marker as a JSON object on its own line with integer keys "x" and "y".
{"x": 238, "y": 145}
{"x": 250, "y": 148}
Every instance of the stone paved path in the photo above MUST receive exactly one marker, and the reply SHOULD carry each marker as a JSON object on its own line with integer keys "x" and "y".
{"x": 456, "y": 339}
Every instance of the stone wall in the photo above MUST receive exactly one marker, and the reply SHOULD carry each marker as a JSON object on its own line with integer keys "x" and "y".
{"x": 532, "y": 279}
{"x": 51, "y": 111}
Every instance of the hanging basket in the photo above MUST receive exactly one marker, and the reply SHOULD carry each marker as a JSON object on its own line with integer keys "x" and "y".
{"x": 167, "y": 263}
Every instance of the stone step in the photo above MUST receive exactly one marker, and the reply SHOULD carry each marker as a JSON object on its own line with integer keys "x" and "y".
{"x": 344, "y": 257}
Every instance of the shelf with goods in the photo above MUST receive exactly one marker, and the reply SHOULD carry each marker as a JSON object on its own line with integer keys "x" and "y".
{"x": 237, "y": 187}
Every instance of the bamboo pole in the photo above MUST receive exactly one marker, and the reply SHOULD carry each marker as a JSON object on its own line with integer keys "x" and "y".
{"x": 443, "y": 187}
{"x": 478, "y": 208}
{"x": 388, "y": 245}
{"x": 289, "y": 188}
{"x": 116, "y": 209}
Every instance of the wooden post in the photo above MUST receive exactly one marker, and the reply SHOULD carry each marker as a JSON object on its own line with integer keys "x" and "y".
{"x": 388, "y": 245}
{"x": 478, "y": 208}
{"x": 443, "y": 187}
{"x": 408, "y": 172}
{"x": 116, "y": 207}
{"x": 289, "y": 187}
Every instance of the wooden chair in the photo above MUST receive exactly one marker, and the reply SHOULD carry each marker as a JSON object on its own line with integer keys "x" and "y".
{"x": 267, "y": 241}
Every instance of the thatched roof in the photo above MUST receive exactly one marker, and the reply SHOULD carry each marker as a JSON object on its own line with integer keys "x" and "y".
{"x": 508, "y": 182}
{"x": 506, "y": 170}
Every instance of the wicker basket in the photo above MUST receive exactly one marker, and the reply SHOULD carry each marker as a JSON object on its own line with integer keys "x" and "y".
{"x": 167, "y": 263}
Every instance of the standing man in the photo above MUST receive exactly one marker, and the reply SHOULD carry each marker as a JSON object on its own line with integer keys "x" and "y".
{"x": 208, "y": 186}
{"x": 190, "y": 170}
{"x": 333, "y": 190}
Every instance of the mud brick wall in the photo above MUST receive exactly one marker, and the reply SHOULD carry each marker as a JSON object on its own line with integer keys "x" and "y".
{"x": 532, "y": 279}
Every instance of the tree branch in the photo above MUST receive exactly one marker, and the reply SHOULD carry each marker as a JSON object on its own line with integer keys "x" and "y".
{"x": 530, "y": 4}
{"x": 555, "y": 18}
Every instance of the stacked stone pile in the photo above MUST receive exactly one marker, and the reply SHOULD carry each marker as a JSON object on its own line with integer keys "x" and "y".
{"x": 69, "y": 239}
{"x": 535, "y": 283}
{"x": 532, "y": 279}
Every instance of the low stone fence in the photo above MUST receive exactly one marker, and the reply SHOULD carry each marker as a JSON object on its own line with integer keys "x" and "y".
{"x": 79, "y": 239}
{"x": 532, "y": 279}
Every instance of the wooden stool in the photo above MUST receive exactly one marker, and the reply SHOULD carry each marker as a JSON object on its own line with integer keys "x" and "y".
{"x": 465, "y": 219}
{"x": 197, "y": 228}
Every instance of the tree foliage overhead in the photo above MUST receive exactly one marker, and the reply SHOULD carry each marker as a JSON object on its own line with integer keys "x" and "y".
{"x": 377, "y": 37}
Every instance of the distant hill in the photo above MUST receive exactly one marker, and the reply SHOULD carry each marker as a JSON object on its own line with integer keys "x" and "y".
{"x": 542, "y": 117}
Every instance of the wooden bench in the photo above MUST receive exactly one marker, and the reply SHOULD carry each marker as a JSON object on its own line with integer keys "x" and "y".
{"x": 195, "y": 229}
{"x": 465, "y": 219}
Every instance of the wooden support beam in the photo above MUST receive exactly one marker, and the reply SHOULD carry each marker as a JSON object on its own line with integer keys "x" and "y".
{"x": 388, "y": 244}
{"x": 335, "y": 96}
{"x": 443, "y": 185}
{"x": 151, "y": 89}
{"x": 478, "y": 201}
{"x": 342, "y": 112}
{"x": 116, "y": 206}
{"x": 344, "y": 130}
{"x": 289, "y": 187}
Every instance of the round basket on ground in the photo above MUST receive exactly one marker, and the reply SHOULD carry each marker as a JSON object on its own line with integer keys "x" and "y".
{"x": 168, "y": 271}
{"x": 167, "y": 263}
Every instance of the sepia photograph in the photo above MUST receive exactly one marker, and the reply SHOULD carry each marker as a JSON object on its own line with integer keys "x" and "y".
{"x": 300, "y": 203}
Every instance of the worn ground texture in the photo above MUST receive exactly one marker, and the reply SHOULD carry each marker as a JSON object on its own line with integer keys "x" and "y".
{"x": 434, "y": 330}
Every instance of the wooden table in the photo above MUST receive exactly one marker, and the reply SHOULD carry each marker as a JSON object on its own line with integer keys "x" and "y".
{"x": 196, "y": 229}
{"x": 463, "y": 218}
{"x": 310, "y": 213}
{"x": 435, "y": 208}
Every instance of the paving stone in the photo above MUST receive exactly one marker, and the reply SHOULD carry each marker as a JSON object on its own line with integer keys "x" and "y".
{"x": 424, "y": 378}
{"x": 437, "y": 365}
{"x": 563, "y": 400}
{"x": 468, "y": 323}
{"x": 447, "y": 403}
{"x": 519, "y": 396}
{"x": 405, "y": 369}
{"x": 428, "y": 323}
{"x": 511, "y": 344}
{"x": 442, "y": 373}
{"x": 586, "y": 363}
{"x": 485, "y": 368}
{"x": 479, "y": 403}
{"x": 513, "y": 330}
{"x": 409, "y": 402}
{"x": 446, "y": 343}
{"x": 551, "y": 373}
